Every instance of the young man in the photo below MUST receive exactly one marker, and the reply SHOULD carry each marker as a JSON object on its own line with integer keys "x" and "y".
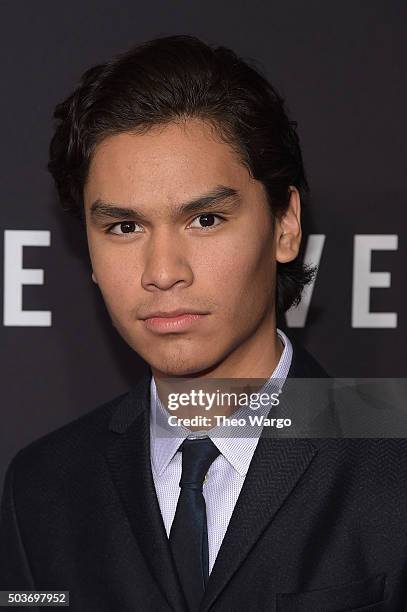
{"x": 187, "y": 175}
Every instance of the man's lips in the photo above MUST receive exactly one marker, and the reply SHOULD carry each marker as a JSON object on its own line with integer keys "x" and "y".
{"x": 172, "y": 313}
{"x": 172, "y": 321}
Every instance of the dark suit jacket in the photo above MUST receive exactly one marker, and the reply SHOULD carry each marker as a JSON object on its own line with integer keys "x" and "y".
{"x": 320, "y": 524}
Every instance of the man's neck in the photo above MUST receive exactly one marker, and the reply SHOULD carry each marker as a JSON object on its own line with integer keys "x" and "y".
{"x": 256, "y": 360}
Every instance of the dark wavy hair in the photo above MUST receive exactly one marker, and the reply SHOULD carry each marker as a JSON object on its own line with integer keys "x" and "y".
{"x": 173, "y": 78}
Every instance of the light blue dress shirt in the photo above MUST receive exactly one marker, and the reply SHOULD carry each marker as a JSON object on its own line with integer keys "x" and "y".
{"x": 225, "y": 476}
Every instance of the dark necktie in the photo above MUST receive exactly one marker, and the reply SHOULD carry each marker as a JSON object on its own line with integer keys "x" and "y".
{"x": 188, "y": 535}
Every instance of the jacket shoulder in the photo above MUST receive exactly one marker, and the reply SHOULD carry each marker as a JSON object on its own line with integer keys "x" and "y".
{"x": 63, "y": 447}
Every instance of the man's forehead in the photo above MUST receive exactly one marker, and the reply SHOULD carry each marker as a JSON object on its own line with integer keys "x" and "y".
{"x": 123, "y": 174}
{"x": 169, "y": 148}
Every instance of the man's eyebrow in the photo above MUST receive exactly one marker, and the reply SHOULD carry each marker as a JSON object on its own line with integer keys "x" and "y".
{"x": 101, "y": 209}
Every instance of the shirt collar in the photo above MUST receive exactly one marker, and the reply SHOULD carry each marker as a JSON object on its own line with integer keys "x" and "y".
{"x": 237, "y": 450}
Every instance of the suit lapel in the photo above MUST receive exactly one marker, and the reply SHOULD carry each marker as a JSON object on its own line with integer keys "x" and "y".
{"x": 276, "y": 467}
{"x": 128, "y": 458}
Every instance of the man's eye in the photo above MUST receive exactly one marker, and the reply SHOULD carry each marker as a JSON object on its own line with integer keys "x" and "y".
{"x": 206, "y": 220}
{"x": 125, "y": 227}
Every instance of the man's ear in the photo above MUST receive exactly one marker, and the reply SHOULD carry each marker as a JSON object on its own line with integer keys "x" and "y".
{"x": 94, "y": 278}
{"x": 288, "y": 232}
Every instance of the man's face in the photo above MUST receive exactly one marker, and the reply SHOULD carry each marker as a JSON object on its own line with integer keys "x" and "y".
{"x": 164, "y": 258}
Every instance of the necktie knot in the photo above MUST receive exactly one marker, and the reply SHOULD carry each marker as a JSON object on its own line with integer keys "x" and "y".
{"x": 197, "y": 456}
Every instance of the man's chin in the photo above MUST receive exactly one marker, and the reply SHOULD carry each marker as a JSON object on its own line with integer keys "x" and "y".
{"x": 188, "y": 368}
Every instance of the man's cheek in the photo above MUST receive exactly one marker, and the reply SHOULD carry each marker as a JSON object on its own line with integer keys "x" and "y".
{"x": 117, "y": 303}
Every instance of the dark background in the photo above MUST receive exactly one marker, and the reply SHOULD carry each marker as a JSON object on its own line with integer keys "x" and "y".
{"x": 341, "y": 67}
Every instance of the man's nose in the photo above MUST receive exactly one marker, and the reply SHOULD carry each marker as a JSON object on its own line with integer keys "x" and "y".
{"x": 165, "y": 262}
